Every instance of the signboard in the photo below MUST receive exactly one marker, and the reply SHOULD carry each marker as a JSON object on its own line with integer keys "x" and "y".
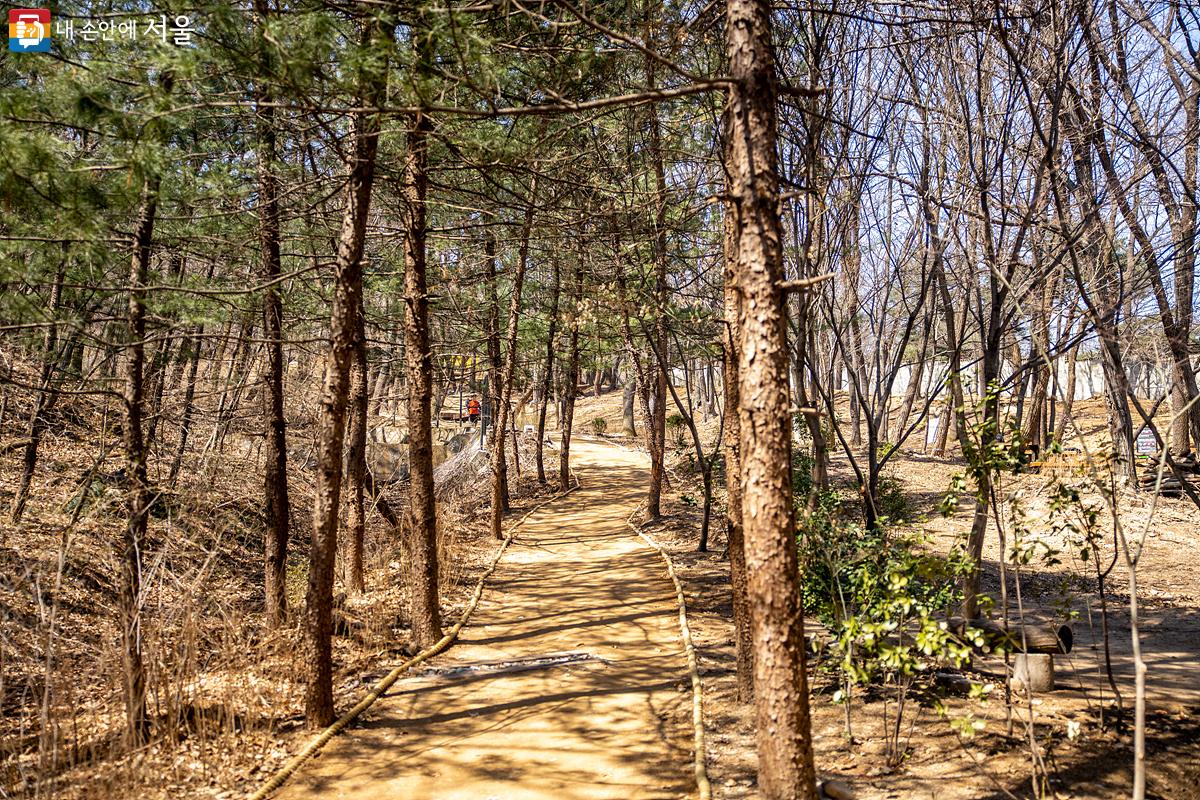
{"x": 1147, "y": 444}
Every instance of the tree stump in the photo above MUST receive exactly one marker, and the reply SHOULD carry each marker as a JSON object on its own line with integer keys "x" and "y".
{"x": 1033, "y": 672}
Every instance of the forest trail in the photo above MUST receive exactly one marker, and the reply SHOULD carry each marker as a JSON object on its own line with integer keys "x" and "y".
{"x": 570, "y": 681}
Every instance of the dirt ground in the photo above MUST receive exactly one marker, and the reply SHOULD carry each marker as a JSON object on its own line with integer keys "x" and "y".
{"x": 569, "y": 682}
{"x": 517, "y": 697}
{"x": 1089, "y": 761}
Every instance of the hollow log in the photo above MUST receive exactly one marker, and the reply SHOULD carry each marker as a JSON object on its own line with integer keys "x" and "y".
{"x": 1029, "y": 638}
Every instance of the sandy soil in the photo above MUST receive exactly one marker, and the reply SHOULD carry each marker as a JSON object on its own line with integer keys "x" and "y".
{"x": 569, "y": 682}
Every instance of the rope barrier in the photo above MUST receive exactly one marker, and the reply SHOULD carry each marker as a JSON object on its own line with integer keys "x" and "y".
{"x": 700, "y": 766}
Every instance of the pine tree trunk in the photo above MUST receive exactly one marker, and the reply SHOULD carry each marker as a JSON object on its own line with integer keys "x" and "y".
{"x": 785, "y": 770}
{"x": 495, "y": 361}
{"x": 657, "y": 420}
{"x": 137, "y": 492}
{"x": 347, "y": 300}
{"x": 641, "y": 379}
{"x": 627, "y": 422}
{"x": 548, "y": 372}
{"x": 356, "y": 457}
{"x": 420, "y": 520}
{"x": 743, "y": 638}
{"x": 499, "y": 502}
{"x": 275, "y": 488}
{"x": 572, "y": 385}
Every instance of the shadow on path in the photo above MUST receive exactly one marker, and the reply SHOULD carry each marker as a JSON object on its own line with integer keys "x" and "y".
{"x": 614, "y": 725}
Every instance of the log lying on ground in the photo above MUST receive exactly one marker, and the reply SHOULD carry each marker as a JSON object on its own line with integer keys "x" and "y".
{"x": 836, "y": 790}
{"x": 1167, "y": 485}
{"x": 1028, "y": 638}
{"x": 953, "y": 682}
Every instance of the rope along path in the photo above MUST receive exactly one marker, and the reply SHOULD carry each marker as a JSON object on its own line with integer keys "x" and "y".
{"x": 700, "y": 759}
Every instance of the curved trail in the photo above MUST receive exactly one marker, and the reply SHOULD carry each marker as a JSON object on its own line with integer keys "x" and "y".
{"x": 569, "y": 682}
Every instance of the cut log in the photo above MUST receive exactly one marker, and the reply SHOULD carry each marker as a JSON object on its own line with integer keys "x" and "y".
{"x": 1033, "y": 672}
{"x": 836, "y": 790}
{"x": 1029, "y": 638}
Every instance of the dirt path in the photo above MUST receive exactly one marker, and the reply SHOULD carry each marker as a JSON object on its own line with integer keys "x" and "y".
{"x": 569, "y": 682}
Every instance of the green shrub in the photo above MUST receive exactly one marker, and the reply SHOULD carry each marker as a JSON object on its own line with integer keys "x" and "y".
{"x": 884, "y": 598}
{"x": 894, "y": 505}
{"x": 851, "y": 572}
{"x": 802, "y": 483}
{"x": 599, "y": 426}
{"x": 677, "y": 429}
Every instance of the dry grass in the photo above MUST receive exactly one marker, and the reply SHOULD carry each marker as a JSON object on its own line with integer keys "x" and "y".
{"x": 224, "y": 690}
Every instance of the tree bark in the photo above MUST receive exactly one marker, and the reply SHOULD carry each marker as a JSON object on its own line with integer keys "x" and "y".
{"x": 420, "y": 521}
{"x": 780, "y": 682}
{"x": 495, "y": 369}
{"x": 499, "y": 505}
{"x": 347, "y": 299}
{"x": 743, "y": 638}
{"x": 548, "y": 372}
{"x": 137, "y": 492}
{"x": 356, "y": 455}
{"x": 572, "y": 385}
{"x": 628, "y": 428}
{"x": 657, "y": 420}
{"x": 278, "y": 509}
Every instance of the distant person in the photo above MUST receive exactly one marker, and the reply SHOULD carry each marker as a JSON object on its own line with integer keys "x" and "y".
{"x": 473, "y": 410}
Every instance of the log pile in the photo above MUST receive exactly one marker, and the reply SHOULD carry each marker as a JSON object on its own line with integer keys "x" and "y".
{"x": 1170, "y": 486}
{"x": 1173, "y": 475}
